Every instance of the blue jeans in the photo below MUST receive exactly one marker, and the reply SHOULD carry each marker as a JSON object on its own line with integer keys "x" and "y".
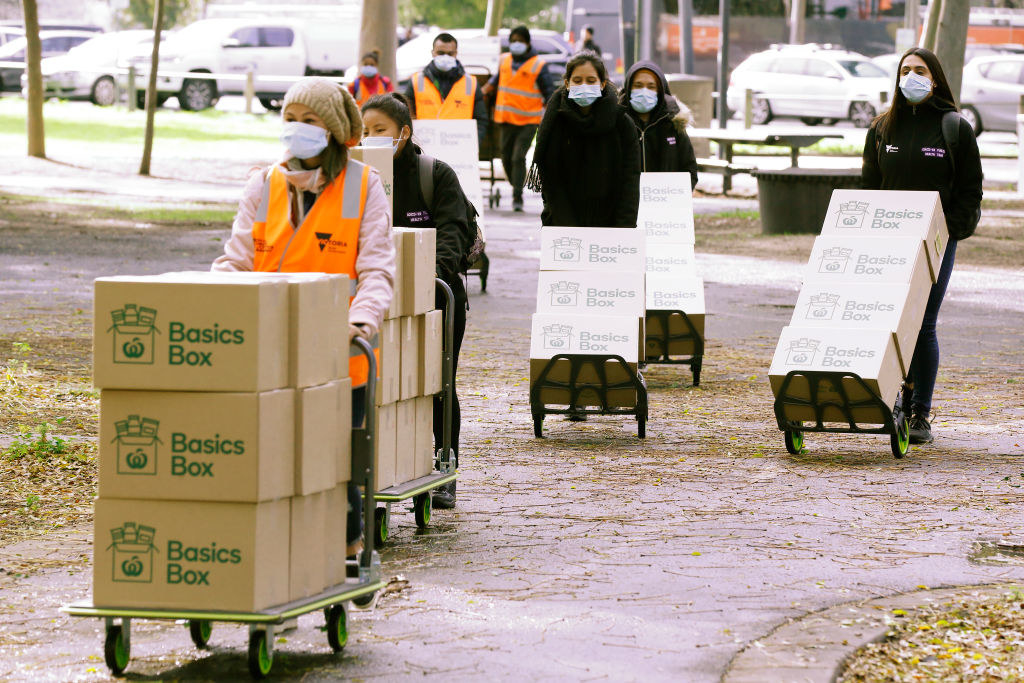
{"x": 925, "y": 365}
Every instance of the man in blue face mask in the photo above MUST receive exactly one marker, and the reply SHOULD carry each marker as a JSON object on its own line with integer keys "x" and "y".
{"x": 443, "y": 90}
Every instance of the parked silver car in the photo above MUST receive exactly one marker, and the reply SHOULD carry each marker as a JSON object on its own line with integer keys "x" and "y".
{"x": 991, "y": 92}
{"x": 53, "y": 43}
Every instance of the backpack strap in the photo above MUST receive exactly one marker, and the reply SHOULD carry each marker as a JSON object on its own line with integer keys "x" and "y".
{"x": 951, "y": 135}
{"x": 425, "y": 166}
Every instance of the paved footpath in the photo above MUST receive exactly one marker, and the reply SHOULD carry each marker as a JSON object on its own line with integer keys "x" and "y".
{"x": 593, "y": 555}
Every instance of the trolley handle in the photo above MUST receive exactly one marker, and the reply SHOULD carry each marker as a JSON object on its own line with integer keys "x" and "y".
{"x": 447, "y": 372}
{"x": 359, "y": 345}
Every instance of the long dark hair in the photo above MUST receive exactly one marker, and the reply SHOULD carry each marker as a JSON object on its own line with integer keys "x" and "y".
{"x": 586, "y": 57}
{"x": 889, "y": 120}
{"x": 394, "y": 106}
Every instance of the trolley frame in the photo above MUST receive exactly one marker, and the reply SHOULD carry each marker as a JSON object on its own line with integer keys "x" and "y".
{"x": 663, "y": 340}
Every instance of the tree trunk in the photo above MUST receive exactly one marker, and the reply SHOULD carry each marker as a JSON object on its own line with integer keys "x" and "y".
{"x": 495, "y": 13}
{"x": 378, "y": 32}
{"x": 951, "y": 41}
{"x": 151, "y": 94}
{"x": 33, "y": 57}
{"x": 797, "y": 20}
{"x": 928, "y": 37}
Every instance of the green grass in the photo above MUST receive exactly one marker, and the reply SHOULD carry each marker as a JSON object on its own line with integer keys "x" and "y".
{"x": 102, "y": 208}
{"x": 737, "y": 213}
{"x": 113, "y": 125}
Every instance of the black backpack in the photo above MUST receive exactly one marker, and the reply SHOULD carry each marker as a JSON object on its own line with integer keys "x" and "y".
{"x": 474, "y": 237}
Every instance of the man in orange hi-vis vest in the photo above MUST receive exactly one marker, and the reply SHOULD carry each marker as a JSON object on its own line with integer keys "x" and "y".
{"x": 523, "y": 84}
{"x": 443, "y": 90}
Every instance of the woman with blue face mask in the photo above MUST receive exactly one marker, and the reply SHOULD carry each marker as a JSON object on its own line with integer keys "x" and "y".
{"x": 664, "y": 145}
{"x": 588, "y": 152}
{"x": 370, "y": 81}
{"x": 922, "y": 143}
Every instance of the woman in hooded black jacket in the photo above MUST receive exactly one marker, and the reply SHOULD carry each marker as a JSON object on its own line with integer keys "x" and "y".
{"x": 450, "y": 213}
{"x": 906, "y": 149}
{"x": 588, "y": 152}
{"x": 664, "y": 145}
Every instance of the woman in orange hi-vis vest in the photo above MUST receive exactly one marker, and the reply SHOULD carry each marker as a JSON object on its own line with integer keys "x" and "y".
{"x": 370, "y": 81}
{"x": 316, "y": 210}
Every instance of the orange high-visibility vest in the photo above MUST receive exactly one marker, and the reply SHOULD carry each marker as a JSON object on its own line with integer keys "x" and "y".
{"x": 327, "y": 241}
{"x": 520, "y": 101}
{"x": 458, "y": 104}
{"x": 363, "y": 93}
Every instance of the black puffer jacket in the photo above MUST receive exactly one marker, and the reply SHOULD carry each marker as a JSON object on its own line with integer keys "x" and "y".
{"x": 664, "y": 145}
{"x": 589, "y": 164}
{"x": 449, "y": 213}
{"x": 914, "y": 156}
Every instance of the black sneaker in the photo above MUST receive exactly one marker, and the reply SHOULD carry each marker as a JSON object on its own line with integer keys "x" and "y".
{"x": 517, "y": 204}
{"x": 920, "y": 428}
{"x": 443, "y": 498}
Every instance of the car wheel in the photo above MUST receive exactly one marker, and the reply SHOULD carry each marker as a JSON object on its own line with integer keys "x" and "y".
{"x": 972, "y": 117}
{"x": 862, "y": 114}
{"x": 197, "y": 94}
{"x": 810, "y": 120}
{"x": 271, "y": 103}
{"x": 761, "y": 111}
{"x": 104, "y": 92}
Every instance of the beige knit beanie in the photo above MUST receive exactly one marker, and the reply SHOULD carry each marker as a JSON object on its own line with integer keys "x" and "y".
{"x": 333, "y": 103}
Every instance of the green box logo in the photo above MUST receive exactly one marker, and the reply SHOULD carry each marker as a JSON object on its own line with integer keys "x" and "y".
{"x": 132, "y": 549}
{"x": 137, "y": 445}
{"x": 134, "y": 329}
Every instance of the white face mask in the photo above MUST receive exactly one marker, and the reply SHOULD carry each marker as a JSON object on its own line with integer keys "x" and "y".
{"x": 445, "y": 63}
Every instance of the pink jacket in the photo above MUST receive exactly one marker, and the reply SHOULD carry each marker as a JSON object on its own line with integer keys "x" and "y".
{"x": 375, "y": 263}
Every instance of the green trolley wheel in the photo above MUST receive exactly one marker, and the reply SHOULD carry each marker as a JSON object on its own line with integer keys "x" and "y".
{"x": 199, "y": 630}
{"x": 794, "y": 441}
{"x": 261, "y": 659}
{"x": 423, "y": 506}
{"x": 337, "y": 628}
{"x": 116, "y": 651}
{"x": 380, "y": 527}
{"x": 899, "y": 440}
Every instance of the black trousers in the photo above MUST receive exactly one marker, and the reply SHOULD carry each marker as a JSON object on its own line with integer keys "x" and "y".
{"x": 459, "y": 317}
{"x": 515, "y": 143}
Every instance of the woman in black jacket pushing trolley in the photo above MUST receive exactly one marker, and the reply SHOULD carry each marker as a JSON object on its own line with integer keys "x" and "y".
{"x": 909, "y": 148}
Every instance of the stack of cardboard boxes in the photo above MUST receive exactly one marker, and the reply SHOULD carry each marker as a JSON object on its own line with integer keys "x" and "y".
{"x": 225, "y": 408}
{"x": 865, "y": 290}
{"x": 666, "y": 219}
{"x": 590, "y": 301}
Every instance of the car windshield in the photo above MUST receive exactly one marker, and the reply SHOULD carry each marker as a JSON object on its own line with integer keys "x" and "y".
{"x": 100, "y": 46}
{"x": 859, "y": 68}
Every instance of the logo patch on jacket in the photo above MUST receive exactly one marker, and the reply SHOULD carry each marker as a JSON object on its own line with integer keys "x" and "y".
{"x": 937, "y": 152}
{"x": 891, "y": 149}
{"x": 333, "y": 246}
{"x": 323, "y": 239}
{"x": 671, "y": 140}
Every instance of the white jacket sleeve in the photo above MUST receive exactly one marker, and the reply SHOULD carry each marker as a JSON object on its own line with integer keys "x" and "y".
{"x": 375, "y": 263}
{"x": 238, "y": 250}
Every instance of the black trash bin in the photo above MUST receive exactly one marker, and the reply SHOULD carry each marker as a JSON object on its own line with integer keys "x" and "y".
{"x": 796, "y": 199}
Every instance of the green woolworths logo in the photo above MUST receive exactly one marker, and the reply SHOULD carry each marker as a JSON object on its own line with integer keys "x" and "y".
{"x": 132, "y": 547}
{"x": 134, "y": 329}
{"x": 137, "y": 445}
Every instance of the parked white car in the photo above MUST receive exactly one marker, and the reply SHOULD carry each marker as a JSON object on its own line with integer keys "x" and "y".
{"x": 53, "y": 43}
{"x": 991, "y": 92}
{"x": 89, "y": 71}
{"x": 811, "y": 82}
{"x": 233, "y": 47}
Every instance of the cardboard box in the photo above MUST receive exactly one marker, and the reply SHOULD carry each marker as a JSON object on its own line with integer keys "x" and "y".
{"x": 680, "y": 341}
{"x": 666, "y": 208}
{"x": 230, "y": 447}
{"x": 389, "y": 359}
{"x": 207, "y": 335}
{"x": 886, "y": 213}
{"x": 335, "y": 541}
{"x": 897, "y": 308}
{"x": 383, "y": 160}
{"x": 866, "y": 260}
{"x": 385, "y": 464}
{"x": 405, "y": 441}
{"x": 411, "y": 347}
{"x": 418, "y": 267}
{"x": 395, "y": 309}
{"x": 431, "y": 376}
{"x": 343, "y": 468}
{"x": 582, "y": 292}
{"x": 588, "y": 379}
{"x": 675, "y": 293}
{"x": 189, "y": 555}
{"x": 423, "y": 461}
{"x": 602, "y": 249}
{"x": 871, "y": 354}
{"x": 316, "y": 437}
{"x": 307, "y": 555}
{"x": 671, "y": 259}
{"x": 586, "y": 335}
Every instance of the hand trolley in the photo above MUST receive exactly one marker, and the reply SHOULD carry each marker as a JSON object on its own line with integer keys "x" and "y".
{"x": 663, "y": 342}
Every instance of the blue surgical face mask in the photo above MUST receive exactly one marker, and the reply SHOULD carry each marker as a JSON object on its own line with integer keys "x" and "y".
{"x": 444, "y": 63}
{"x": 518, "y": 48}
{"x": 303, "y": 140}
{"x": 915, "y": 87}
{"x": 584, "y": 95}
{"x": 643, "y": 99}
{"x": 368, "y": 70}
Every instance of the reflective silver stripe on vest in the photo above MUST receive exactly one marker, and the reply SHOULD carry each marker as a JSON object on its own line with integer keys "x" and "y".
{"x": 352, "y": 286}
{"x": 264, "y": 205}
{"x": 352, "y": 192}
{"x": 469, "y": 84}
{"x": 521, "y": 93}
{"x": 419, "y": 82}
{"x": 355, "y": 351}
{"x": 521, "y": 112}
